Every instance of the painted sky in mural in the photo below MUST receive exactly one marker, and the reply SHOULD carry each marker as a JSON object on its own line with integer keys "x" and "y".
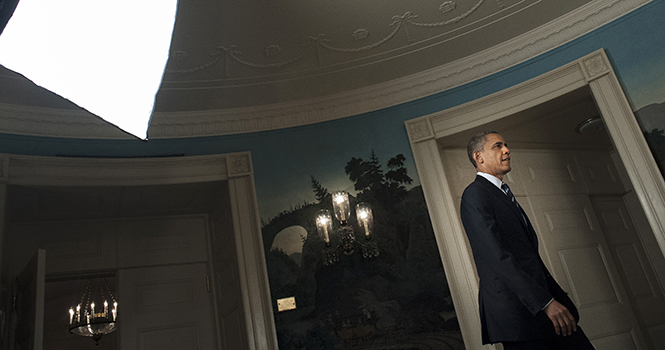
{"x": 639, "y": 59}
{"x": 322, "y": 150}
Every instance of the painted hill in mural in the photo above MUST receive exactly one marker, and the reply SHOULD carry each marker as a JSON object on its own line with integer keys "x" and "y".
{"x": 651, "y": 116}
{"x": 652, "y": 121}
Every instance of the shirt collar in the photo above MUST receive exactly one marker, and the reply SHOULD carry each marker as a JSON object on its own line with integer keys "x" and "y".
{"x": 491, "y": 178}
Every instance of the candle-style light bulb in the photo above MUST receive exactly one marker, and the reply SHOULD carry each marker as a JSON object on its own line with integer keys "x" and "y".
{"x": 78, "y": 313}
{"x": 92, "y": 309}
{"x": 324, "y": 224}
{"x": 364, "y": 215}
{"x": 341, "y": 206}
{"x": 71, "y": 316}
{"x": 106, "y": 309}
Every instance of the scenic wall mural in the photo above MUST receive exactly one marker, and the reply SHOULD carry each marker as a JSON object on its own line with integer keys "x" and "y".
{"x": 637, "y": 50}
{"x": 398, "y": 298}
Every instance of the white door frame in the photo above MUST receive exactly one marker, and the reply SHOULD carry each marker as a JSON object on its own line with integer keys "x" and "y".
{"x": 594, "y": 71}
{"x": 235, "y": 168}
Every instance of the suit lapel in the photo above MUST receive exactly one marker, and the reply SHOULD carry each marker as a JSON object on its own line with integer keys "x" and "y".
{"x": 502, "y": 197}
{"x": 518, "y": 211}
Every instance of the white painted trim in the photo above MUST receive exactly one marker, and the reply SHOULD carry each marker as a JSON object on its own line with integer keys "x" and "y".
{"x": 261, "y": 331}
{"x": 64, "y": 171}
{"x": 593, "y": 70}
{"x": 236, "y": 168}
{"x": 40, "y": 121}
{"x": 78, "y": 124}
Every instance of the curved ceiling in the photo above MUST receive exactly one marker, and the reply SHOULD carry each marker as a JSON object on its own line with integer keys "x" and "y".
{"x": 247, "y": 66}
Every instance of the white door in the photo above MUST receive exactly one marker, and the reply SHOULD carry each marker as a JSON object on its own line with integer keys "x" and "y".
{"x": 635, "y": 266}
{"x": 165, "y": 308}
{"x": 551, "y": 187}
{"x": 29, "y": 308}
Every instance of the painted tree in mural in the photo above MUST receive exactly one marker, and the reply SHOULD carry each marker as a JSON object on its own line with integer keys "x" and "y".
{"x": 321, "y": 193}
{"x": 372, "y": 184}
{"x": 656, "y": 141}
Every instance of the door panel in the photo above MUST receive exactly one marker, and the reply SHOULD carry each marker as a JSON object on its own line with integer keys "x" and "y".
{"x": 634, "y": 267}
{"x": 30, "y": 286}
{"x": 574, "y": 245}
{"x": 165, "y": 308}
{"x": 164, "y": 240}
{"x": 546, "y": 172}
{"x": 599, "y": 173}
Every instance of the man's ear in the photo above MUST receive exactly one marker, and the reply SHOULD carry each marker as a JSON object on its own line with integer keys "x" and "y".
{"x": 477, "y": 157}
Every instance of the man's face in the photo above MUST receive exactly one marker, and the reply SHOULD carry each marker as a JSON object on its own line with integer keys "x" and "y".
{"x": 495, "y": 157}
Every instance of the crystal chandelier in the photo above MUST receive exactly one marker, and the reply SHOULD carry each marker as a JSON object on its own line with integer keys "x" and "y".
{"x": 92, "y": 319}
{"x": 345, "y": 232}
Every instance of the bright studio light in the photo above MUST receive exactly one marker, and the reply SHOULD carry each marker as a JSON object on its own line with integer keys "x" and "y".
{"x": 106, "y": 56}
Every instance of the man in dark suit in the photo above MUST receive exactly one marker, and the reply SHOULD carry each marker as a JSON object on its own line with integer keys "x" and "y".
{"x": 521, "y": 305}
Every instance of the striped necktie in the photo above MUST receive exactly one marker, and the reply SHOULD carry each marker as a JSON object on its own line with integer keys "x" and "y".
{"x": 509, "y": 193}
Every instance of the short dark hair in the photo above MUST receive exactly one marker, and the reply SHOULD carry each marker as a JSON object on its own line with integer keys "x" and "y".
{"x": 477, "y": 144}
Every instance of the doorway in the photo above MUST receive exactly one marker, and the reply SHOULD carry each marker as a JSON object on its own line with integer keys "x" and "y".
{"x": 138, "y": 216}
{"x": 576, "y": 218}
{"x": 565, "y": 177}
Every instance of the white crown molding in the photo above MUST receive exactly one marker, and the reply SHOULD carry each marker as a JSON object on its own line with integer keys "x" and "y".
{"x": 38, "y": 121}
{"x": 69, "y": 171}
{"x": 538, "y": 41}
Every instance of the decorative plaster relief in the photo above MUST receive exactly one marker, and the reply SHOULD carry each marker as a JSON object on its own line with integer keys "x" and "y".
{"x": 419, "y": 130}
{"x": 361, "y": 34}
{"x": 447, "y": 6}
{"x": 273, "y": 50}
{"x": 239, "y": 164}
{"x": 596, "y": 66}
{"x": 321, "y": 41}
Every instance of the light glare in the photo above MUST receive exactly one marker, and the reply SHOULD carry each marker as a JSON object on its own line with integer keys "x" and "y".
{"x": 107, "y": 57}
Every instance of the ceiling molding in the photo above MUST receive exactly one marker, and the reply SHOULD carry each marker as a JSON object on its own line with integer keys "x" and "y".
{"x": 40, "y": 121}
{"x": 445, "y": 77}
{"x": 73, "y": 171}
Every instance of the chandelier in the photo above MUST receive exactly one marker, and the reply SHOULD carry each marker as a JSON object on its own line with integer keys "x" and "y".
{"x": 345, "y": 232}
{"x": 90, "y": 319}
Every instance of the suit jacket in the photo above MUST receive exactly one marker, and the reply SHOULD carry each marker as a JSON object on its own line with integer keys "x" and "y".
{"x": 514, "y": 283}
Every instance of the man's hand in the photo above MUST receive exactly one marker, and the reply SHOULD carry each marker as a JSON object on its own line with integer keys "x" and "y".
{"x": 563, "y": 320}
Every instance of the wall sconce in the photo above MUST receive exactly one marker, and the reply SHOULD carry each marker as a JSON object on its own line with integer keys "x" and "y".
{"x": 345, "y": 231}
